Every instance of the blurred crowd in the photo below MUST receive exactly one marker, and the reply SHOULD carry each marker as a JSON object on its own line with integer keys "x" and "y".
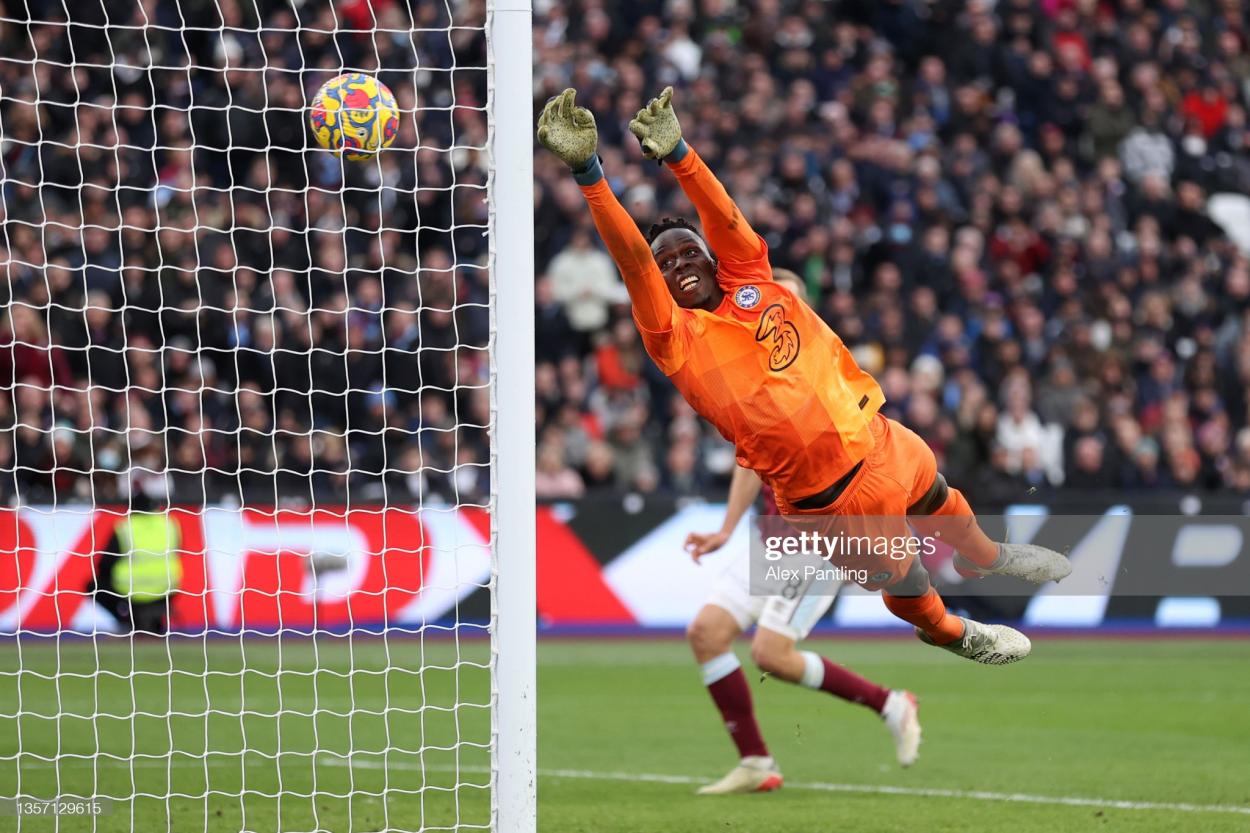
{"x": 195, "y": 296}
{"x": 1027, "y": 219}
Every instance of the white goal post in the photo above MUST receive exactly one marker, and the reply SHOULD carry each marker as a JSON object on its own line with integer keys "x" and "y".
{"x": 513, "y": 531}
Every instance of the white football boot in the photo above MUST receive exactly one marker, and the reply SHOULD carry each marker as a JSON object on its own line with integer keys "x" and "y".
{"x": 1026, "y": 561}
{"x": 753, "y": 774}
{"x": 986, "y": 644}
{"x": 902, "y": 717}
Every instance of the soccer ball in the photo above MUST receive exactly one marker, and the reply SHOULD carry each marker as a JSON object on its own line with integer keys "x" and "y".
{"x": 355, "y": 115}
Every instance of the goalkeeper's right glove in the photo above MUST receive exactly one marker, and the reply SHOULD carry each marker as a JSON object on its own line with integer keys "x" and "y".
{"x": 568, "y": 131}
{"x": 657, "y": 128}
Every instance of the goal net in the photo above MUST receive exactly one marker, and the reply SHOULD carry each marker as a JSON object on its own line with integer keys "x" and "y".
{"x": 262, "y": 428}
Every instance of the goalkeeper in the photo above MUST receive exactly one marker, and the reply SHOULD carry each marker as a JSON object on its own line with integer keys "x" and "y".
{"x": 761, "y": 366}
{"x": 782, "y": 620}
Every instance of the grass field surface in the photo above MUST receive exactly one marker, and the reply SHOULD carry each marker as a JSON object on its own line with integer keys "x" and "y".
{"x": 369, "y": 734}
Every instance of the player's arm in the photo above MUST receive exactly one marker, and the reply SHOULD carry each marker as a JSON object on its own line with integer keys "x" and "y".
{"x": 729, "y": 234}
{"x": 569, "y": 132}
{"x": 653, "y": 305}
{"x": 744, "y": 488}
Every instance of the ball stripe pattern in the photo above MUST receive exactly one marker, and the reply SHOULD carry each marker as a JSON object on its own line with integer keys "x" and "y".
{"x": 354, "y": 115}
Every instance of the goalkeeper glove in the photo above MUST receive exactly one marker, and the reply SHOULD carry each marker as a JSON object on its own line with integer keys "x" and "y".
{"x": 568, "y": 131}
{"x": 656, "y": 127}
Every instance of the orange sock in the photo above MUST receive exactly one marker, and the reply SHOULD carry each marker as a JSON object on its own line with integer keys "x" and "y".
{"x": 927, "y": 612}
{"x": 960, "y": 529}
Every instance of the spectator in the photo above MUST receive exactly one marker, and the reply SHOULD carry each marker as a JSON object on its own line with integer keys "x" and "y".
{"x": 633, "y": 453}
{"x": 1110, "y": 121}
{"x": 1147, "y": 151}
{"x": 599, "y": 471}
{"x": 554, "y": 479}
{"x": 1022, "y": 434}
{"x": 27, "y": 356}
{"x": 619, "y": 362}
{"x": 584, "y": 280}
{"x": 1089, "y": 469}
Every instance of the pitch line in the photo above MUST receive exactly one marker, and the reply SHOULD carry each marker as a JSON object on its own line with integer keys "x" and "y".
{"x": 333, "y": 759}
{"x": 818, "y": 786}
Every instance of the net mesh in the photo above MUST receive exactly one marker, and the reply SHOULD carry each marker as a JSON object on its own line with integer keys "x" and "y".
{"x": 244, "y": 549}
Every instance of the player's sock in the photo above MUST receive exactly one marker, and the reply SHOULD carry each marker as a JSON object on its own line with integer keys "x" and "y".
{"x": 927, "y": 612}
{"x": 963, "y": 532}
{"x": 841, "y": 682}
{"x": 729, "y": 689}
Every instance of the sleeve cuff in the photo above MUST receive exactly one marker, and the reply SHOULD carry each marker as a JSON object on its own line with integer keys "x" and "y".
{"x": 590, "y": 173}
{"x": 679, "y": 152}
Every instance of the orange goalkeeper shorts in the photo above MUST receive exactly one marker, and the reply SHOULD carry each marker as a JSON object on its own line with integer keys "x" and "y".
{"x": 897, "y": 473}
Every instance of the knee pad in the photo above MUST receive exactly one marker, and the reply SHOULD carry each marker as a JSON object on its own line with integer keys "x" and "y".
{"x": 914, "y": 583}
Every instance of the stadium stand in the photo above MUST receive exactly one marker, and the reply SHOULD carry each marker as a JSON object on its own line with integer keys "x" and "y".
{"x": 188, "y": 290}
{"x": 1009, "y": 211}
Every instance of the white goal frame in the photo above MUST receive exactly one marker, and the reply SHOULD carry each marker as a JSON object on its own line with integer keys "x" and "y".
{"x": 67, "y": 578}
{"x": 513, "y": 529}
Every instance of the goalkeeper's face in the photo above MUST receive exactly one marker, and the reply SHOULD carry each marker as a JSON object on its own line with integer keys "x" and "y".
{"x": 688, "y": 268}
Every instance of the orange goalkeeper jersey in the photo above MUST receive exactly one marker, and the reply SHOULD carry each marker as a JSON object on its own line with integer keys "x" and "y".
{"x": 763, "y": 368}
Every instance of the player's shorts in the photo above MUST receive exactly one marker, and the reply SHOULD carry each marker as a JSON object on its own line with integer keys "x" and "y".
{"x": 898, "y": 471}
{"x": 793, "y": 612}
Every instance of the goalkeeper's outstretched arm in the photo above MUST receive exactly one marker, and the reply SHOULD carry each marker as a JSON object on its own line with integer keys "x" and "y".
{"x": 569, "y": 132}
{"x": 653, "y": 305}
{"x": 729, "y": 234}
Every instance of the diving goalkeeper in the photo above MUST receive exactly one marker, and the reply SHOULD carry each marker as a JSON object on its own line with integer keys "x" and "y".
{"x": 782, "y": 620}
{"x": 778, "y": 383}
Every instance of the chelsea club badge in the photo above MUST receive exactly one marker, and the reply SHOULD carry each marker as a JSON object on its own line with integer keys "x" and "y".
{"x": 747, "y": 297}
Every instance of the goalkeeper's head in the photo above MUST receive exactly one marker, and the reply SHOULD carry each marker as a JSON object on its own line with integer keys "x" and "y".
{"x": 688, "y": 265}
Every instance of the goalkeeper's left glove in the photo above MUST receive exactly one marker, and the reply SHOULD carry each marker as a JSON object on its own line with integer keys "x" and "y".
{"x": 656, "y": 126}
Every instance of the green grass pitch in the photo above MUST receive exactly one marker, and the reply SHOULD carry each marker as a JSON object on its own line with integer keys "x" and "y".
{"x": 626, "y": 734}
